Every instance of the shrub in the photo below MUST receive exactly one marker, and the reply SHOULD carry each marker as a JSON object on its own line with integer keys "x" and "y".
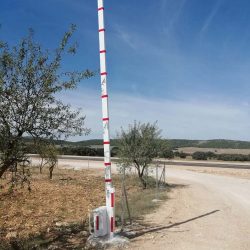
{"x": 167, "y": 154}
{"x": 199, "y": 155}
{"x": 183, "y": 155}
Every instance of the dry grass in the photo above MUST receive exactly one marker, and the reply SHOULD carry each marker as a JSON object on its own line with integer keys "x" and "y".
{"x": 49, "y": 201}
{"x": 68, "y": 198}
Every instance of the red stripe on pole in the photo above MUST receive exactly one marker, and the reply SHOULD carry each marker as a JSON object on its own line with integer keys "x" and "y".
{"x": 100, "y": 8}
{"x": 104, "y": 96}
{"x": 112, "y": 199}
{"x": 97, "y": 223}
{"x": 105, "y": 119}
{"x": 101, "y": 30}
{"x": 108, "y": 180}
{"x": 112, "y": 224}
{"x": 104, "y": 73}
{"x": 107, "y": 163}
{"x": 102, "y": 51}
{"x": 106, "y": 142}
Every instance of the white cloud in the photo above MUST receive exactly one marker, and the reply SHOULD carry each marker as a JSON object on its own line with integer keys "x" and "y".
{"x": 178, "y": 119}
{"x": 126, "y": 37}
{"x": 169, "y": 19}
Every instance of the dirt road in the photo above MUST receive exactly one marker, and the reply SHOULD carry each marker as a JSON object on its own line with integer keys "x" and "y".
{"x": 205, "y": 212}
{"x": 208, "y": 210}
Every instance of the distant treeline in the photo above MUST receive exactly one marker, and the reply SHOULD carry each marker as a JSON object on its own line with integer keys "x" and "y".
{"x": 172, "y": 143}
{"x": 79, "y": 151}
{"x": 222, "y": 157}
{"x": 212, "y": 156}
{"x": 85, "y": 148}
{"x": 167, "y": 154}
{"x": 86, "y": 151}
{"x": 209, "y": 144}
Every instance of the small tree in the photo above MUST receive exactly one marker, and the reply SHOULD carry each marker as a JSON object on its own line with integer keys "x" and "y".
{"x": 48, "y": 154}
{"x": 138, "y": 146}
{"x": 30, "y": 81}
{"x": 198, "y": 155}
{"x": 166, "y": 153}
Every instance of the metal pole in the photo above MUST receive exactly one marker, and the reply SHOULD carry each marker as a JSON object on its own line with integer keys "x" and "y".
{"x": 110, "y": 192}
{"x": 125, "y": 195}
{"x": 164, "y": 173}
{"x": 122, "y": 202}
{"x": 157, "y": 184}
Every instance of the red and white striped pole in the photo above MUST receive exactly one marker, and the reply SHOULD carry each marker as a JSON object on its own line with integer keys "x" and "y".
{"x": 110, "y": 192}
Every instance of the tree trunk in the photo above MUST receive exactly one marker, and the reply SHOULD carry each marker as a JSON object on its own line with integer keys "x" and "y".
{"x": 6, "y": 165}
{"x": 143, "y": 182}
{"x": 41, "y": 166}
{"x": 140, "y": 171}
{"x": 51, "y": 168}
{"x": 3, "y": 169}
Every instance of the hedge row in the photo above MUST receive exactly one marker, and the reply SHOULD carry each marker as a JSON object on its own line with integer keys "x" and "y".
{"x": 169, "y": 154}
{"x": 223, "y": 157}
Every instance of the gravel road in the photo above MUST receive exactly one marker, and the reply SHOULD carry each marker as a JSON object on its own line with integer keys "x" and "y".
{"x": 205, "y": 212}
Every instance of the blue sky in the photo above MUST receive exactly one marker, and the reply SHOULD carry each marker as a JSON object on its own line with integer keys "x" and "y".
{"x": 185, "y": 63}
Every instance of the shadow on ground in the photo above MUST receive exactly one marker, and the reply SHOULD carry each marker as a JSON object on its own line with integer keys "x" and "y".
{"x": 134, "y": 233}
{"x": 176, "y": 186}
{"x": 71, "y": 236}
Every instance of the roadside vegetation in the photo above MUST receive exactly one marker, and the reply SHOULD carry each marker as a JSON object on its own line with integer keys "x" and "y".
{"x": 221, "y": 157}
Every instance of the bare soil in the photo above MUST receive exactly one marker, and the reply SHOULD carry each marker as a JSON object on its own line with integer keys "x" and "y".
{"x": 237, "y": 173}
{"x": 207, "y": 212}
{"x": 51, "y": 208}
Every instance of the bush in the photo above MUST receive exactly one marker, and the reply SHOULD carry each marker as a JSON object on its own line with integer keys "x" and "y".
{"x": 211, "y": 155}
{"x": 180, "y": 154}
{"x": 199, "y": 155}
{"x": 233, "y": 157}
{"x": 183, "y": 155}
{"x": 81, "y": 151}
{"x": 167, "y": 154}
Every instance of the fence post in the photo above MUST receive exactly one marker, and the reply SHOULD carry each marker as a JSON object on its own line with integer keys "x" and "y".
{"x": 157, "y": 184}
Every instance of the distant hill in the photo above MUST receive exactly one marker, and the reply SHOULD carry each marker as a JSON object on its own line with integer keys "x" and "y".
{"x": 217, "y": 143}
{"x": 173, "y": 143}
{"x": 177, "y": 143}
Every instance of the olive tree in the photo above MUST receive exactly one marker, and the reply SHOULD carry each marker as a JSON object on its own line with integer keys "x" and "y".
{"x": 31, "y": 80}
{"x": 138, "y": 146}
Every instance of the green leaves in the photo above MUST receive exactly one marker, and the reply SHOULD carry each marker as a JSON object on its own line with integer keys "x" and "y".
{"x": 30, "y": 79}
{"x": 139, "y": 145}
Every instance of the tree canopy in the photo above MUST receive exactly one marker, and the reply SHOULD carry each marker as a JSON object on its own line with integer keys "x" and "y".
{"x": 30, "y": 80}
{"x": 138, "y": 146}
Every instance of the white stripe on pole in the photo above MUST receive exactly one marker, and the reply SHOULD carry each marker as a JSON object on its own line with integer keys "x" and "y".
{"x": 110, "y": 192}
